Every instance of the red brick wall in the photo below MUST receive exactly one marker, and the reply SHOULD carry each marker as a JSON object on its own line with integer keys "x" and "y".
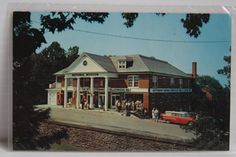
{"x": 99, "y": 82}
{"x": 117, "y": 83}
{"x": 122, "y": 81}
{"x": 146, "y": 100}
{"x": 63, "y": 83}
{"x": 144, "y": 81}
{"x": 163, "y": 82}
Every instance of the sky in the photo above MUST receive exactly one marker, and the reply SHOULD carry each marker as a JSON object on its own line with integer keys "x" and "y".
{"x": 208, "y": 55}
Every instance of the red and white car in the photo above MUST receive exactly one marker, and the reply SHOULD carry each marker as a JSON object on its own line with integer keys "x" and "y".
{"x": 183, "y": 118}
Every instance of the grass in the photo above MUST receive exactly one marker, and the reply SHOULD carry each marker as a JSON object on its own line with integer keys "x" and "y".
{"x": 64, "y": 147}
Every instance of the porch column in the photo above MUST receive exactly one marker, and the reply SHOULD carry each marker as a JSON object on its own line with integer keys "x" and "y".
{"x": 65, "y": 93}
{"x": 91, "y": 92}
{"x": 106, "y": 94}
{"x": 56, "y": 82}
{"x": 78, "y": 93}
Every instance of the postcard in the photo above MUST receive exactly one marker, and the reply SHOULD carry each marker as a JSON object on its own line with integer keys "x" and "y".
{"x": 121, "y": 81}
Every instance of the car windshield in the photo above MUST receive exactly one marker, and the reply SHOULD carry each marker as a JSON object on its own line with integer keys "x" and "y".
{"x": 185, "y": 115}
{"x": 179, "y": 114}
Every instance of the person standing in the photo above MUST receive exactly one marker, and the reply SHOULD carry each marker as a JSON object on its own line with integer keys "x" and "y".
{"x": 153, "y": 113}
{"x": 156, "y": 114}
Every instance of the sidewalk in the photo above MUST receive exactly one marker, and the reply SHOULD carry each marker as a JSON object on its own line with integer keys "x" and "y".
{"x": 114, "y": 121}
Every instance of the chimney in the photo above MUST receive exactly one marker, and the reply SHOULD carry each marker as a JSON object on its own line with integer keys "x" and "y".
{"x": 194, "y": 69}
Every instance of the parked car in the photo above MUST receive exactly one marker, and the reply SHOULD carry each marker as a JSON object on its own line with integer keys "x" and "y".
{"x": 177, "y": 117}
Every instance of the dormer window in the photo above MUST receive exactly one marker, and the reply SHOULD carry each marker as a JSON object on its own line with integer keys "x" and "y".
{"x": 122, "y": 64}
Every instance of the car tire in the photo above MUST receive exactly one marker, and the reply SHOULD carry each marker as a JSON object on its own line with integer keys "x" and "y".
{"x": 168, "y": 122}
{"x": 190, "y": 123}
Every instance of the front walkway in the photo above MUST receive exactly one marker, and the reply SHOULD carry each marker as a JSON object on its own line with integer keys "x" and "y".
{"x": 114, "y": 121}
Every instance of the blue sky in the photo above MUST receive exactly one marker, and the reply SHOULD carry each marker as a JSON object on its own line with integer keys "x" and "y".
{"x": 209, "y": 56}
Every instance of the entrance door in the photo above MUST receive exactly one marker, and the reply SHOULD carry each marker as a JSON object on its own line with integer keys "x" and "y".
{"x": 101, "y": 100}
{"x": 114, "y": 97}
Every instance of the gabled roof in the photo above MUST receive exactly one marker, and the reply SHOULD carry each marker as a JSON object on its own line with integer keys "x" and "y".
{"x": 61, "y": 72}
{"x": 104, "y": 61}
{"x": 140, "y": 64}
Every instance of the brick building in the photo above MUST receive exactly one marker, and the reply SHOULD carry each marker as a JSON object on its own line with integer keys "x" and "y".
{"x": 103, "y": 80}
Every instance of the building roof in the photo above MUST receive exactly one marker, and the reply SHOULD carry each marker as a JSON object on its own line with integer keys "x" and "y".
{"x": 103, "y": 61}
{"x": 162, "y": 67}
{"x": 140, "y": 63}
{"x": 61, "y": 72}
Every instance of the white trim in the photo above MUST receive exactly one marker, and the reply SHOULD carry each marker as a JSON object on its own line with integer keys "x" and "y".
{"x": 119, "y": 90}
{"x": 52, "y": 97}
{"x": 89, "y": 75}
{"x": 54, "y": 89}
{"x": 81, "y": 58}
{"x": 138, "y": 90}
{"x": 133, "y": 76}
{"x": 106, "y": 94}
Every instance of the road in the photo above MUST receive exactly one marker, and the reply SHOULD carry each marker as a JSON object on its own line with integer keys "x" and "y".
{"x": 114, "y": 121}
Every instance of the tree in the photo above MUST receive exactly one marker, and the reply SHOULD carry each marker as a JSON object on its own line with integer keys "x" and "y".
{"x": 55, "y": 56}
{"x": 212, "y": 107}
{"x": 226, "y": 70}
{"x": 72, "y": 54}
{"x": 26, "y": 39}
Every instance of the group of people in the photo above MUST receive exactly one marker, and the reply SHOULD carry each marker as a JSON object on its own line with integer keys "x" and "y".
{"x": 126, "y": 106}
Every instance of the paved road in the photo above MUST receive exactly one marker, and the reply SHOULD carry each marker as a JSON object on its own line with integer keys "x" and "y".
{"x": 112, "y": 120}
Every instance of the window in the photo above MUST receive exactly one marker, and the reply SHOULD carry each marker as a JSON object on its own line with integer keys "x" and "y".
{"x": 122, "y": 64}
{"x": 86, "y": 82}
{"x": 129, "y": 64}
{"x": 130, "y": 81}
{"x": 133, "y": 81}
{"x": 101, "y": 83}
{"x": 155, "y": 81}
{"x": 180, "y": 83}
{"x": 85, "y": 62}
{"x": 172, "y": 81}
{"x": 70, "y": 81}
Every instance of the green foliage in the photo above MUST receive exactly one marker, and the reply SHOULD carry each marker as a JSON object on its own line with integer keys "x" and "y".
{"x": 226, "y": 70}
{"x": 25, "y": 38}
{"x": 130, "y": 18}
{"x": 193, "y": 23}
{"x": 55, "y": 56}
{"x": 212, "y": 125}
{"x": 72, "y": 54}
{"x": 60, "y": 21}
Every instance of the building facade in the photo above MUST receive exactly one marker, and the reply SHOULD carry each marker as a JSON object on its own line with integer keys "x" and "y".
{"x": 101, "y": 80}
